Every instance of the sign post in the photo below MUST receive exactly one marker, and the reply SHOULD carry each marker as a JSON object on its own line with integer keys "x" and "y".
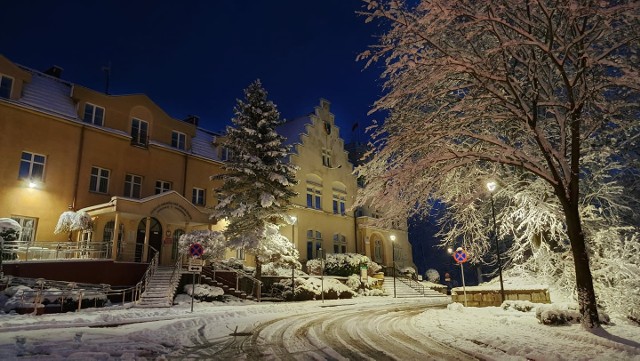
{"x": 460, "y": 256}
{"x": 195, "y": 266}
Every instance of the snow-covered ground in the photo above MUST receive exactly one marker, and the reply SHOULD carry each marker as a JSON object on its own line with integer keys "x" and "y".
{"x": 309, "y": 330}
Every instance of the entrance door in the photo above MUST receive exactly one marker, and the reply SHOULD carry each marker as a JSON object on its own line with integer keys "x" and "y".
{"x": 155, "y": 239}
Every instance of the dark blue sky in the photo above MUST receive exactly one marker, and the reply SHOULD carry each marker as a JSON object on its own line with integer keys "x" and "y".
{"x": 196, "y": 57}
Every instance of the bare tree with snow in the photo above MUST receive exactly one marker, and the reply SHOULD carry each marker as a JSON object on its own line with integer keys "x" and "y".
{"x": 475, "y": 88}
{"x": 258, "y": 180}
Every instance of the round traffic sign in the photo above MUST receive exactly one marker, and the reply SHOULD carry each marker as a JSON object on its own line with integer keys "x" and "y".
{"x": 460, "y": 256}
{"x": 196, "y": 250}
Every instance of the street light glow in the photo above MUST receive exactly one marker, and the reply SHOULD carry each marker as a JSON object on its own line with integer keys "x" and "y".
{"x": 491, "y": 186}
{"x": 450, "y": 250}
{"x": 294, "y": 219}
{"x": 393, "y": 237}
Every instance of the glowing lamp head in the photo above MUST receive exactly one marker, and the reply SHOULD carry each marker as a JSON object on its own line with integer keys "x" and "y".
{"x": 393, "y": 237}
{"x": 491, "y": 186}
{"x": 450, "y": 250}
{"x": 294, "y": 219}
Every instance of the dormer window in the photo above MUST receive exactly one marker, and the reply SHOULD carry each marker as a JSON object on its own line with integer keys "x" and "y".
{"x": 178, "y": 140}
{"x": 93, "y": 114}
{"x": 6, "y": 83}
{"x": 226, "y": 154}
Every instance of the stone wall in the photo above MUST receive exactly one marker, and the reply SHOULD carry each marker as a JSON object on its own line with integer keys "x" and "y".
{"x": 487, "y": 298}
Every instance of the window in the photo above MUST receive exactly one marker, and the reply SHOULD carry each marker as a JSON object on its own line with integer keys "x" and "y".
{"x": 377, "y": 251}
{"x": 139, "y": 132}
{"x": 108, "y": 236}
{"x": 176, "y": 239}
{"x": 32, "y": 166}
{"x": 162, "y": 186}
{"x": 99, "y": 180}
{"x": 339, "y": 243}
{"x": 314, "y": 243}
{"x": 28, "y": 224}
{"x": 240, "y": 253}
{"x": 178, "y": 140}
{"x": 132, "y": 185}
{"x": 338, "y": 204}
{"x": 314, "y": 197}
{"x": 326, "y": 157}
{"x": 6, "y": 83}
{"x": 226, "y": 154}
{"x": 197, "y": 196}
{"x": 93, "y": 114}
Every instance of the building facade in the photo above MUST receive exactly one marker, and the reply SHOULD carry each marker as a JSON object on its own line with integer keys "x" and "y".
{"x": 144, "y": 177}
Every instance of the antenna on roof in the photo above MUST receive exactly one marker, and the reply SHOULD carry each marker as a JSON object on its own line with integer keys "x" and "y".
{"x": 107, "y": 76}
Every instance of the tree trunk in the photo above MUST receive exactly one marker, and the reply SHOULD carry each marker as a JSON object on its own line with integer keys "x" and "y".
{"x": 258, "y": 271}
{"x": 584, "y": 280}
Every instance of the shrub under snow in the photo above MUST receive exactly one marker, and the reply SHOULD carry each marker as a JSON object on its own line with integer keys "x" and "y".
{"x": 343, "y": 264}
{"x": 563, "y": 313}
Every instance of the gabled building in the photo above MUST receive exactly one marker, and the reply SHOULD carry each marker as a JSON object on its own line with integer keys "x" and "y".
{"x": 144, "y": 177}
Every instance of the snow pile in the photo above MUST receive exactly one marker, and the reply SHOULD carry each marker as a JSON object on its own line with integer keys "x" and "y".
{"x": 563, "y": 313}
{"x": 204, "y": 292}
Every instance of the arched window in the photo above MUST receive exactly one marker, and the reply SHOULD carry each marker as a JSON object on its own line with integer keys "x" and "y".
{"x": 377, "y": 251}
{"x": 314, "y": 191}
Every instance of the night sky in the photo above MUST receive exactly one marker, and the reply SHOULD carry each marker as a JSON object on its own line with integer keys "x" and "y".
{"x": 196, "y": 57}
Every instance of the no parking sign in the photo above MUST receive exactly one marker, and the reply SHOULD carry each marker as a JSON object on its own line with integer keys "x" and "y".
{"x": 460, "y": 255}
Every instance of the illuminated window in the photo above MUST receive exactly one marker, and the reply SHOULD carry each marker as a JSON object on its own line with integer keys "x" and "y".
{"x": 240, "y": 253}
{"x": 132, "y": 186}
{"x": 32, "y": 166}
{"x": 178, "y": 140}
{"x": 99, "y": 181}
{"x": 93, "y": 114}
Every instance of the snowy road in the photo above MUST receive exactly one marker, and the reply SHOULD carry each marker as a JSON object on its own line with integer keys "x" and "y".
{"x": 366, "y": 328}
{"x": 333, "y": 333}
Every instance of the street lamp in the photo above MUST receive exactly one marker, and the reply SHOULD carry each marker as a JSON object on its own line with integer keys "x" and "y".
{"x": 294, "y": 219}
{"x": 491, "y": 186}
{"x": 393, "y": 255}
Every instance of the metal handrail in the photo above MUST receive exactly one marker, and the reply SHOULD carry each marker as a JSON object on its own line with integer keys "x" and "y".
{"x": 409, "y": 281}
{"x": 239, "y": 275}
{"x": 151, "y": 270}
{"x": 175, "y": 277}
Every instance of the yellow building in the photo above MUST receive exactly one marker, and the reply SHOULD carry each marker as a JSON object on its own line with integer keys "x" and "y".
{"x": 144, "y": 177}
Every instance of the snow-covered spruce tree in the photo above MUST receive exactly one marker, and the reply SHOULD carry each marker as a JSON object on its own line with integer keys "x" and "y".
{"x": 521, "y": 84}
{"x": 258, "y": 180}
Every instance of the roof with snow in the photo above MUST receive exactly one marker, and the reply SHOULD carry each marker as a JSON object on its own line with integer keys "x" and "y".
{"x": 48, "y": 94}
{"x": 202, "y": 144}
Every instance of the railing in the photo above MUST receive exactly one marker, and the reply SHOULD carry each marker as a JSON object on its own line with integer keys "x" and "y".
{"x": 38, "y": 251}
{"x": 409, "y": 281}
{"x": 62, "y": 291}
{"x": 256, "y": 283}
{"x": 175, "y": 277}
{"x": 151, "y": 270}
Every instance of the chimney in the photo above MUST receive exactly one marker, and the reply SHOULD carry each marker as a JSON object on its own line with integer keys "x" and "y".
{"x": 192, "y": 119}
{"x": 54, "y": 71}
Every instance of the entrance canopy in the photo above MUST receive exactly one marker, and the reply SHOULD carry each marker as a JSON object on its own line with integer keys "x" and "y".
{"x": 170, "y": 207}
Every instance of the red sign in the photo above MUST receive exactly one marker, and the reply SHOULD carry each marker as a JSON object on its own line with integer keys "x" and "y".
{"x": 460, "y": 256}
{"x": 196, "y": 250}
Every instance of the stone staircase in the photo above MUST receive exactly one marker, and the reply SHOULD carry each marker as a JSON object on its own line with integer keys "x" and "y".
{"x": 403, "y": 290}
{"x": 159, "y": 291}
{"x": 207, "y": 278}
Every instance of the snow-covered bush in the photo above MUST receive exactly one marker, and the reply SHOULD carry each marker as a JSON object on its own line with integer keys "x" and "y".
{"x": 9, "y": 236}
{"x": 70, "y": 221}
{"x": 213, "y": 242}
{"x": 563, "y": 313}
{"x": 432, "y": 275}
{"x": 522, "y": 306}
{"x": 273, "y": 269}
{"x": 205, "y": 293}
{"x": 356, "y": 283}
{"x": 343, "y": 264}
{"x": 311, "y": 289}
{"x": 409, "y": 272}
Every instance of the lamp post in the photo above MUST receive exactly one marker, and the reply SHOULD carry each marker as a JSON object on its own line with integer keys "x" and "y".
{"x": 491, "y": 186}
{"x": 294, "y": 219}
{"x": 393, "y": 255}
